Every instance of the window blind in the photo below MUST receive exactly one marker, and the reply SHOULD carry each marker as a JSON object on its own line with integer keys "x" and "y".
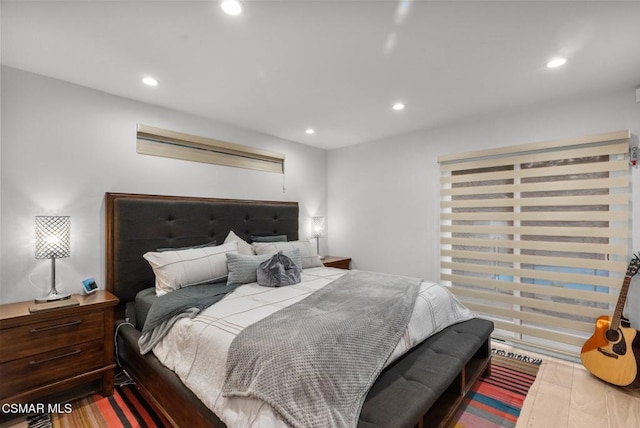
{"x": 161, "y": 142}
{"x": 535, "y": 237}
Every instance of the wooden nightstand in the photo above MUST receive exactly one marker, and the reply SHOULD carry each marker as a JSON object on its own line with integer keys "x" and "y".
{"x": 62, "y": 352}
{"x": 337, "y": 262}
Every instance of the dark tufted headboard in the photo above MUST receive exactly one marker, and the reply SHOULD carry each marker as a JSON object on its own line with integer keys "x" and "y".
{"x": 136, "y": 224}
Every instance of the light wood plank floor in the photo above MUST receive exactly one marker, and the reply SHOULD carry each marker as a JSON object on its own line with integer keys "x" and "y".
{"x": 566, "y": 395}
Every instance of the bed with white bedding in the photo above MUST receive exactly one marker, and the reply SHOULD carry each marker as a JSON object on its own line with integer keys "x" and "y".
{"x": 204, "y": 340}
{"x": 185, "y": 374}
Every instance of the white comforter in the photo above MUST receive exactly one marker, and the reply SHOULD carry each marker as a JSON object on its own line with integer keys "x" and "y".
{"x": 196, "y": 349}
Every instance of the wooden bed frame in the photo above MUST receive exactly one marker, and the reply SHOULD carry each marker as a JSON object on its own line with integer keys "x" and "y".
{"x": 136, "y": 223}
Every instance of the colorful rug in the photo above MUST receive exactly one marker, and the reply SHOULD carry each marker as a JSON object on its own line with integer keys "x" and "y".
{"x": 127, "y": 408}
{"x": 496, "y": 401}
{"x": 492, "y": 402}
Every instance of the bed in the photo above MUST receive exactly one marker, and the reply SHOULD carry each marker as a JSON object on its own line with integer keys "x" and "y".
{"x": 421, "y": 387}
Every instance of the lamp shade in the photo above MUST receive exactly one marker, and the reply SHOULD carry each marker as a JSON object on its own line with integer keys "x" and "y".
{"x": 53, "y": 237}
{"x": 317, "y": 226}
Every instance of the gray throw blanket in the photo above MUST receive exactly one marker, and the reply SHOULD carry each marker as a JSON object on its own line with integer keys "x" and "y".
{"x": 315, "y": 360}
{"x": 181, "y": 303}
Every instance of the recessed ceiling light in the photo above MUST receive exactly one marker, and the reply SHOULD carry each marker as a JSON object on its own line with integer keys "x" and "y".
{"x": 231, "y": 7}
{"x": 556, "y": 62}
{"x": 150, "y": 81}
{"x": 398, "y": 106}
{"x": 310, "y": 131}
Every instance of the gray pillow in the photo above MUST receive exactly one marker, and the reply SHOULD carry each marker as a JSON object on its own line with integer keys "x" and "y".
{"x": 208, "y": 244}
{"x": 269, "y": 238}
{"x": 278, "y": 271}
{"x": 243, "y": 268}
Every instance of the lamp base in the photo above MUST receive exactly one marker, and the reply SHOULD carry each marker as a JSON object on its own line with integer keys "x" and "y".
{"x": 53, "y": 295}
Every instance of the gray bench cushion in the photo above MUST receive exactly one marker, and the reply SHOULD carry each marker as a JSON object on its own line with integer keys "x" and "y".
{"x": 406, "y": 390}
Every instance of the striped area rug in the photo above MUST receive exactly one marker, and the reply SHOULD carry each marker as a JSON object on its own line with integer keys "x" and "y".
{"x": 127, "y": 408}
{"x": 496, "y": 401}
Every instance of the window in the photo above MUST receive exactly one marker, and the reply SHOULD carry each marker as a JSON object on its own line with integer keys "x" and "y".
{"x": 535, "y": 237}
{"x": 176, "y": 145}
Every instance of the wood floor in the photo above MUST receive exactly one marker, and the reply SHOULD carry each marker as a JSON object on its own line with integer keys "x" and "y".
{"x": 565, "y": 395}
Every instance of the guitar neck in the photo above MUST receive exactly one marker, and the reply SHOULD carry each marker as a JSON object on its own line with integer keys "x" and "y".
{"x": 617, "y": 314}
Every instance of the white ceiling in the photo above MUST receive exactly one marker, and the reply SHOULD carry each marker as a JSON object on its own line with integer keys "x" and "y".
{"x": 337, "y": 66}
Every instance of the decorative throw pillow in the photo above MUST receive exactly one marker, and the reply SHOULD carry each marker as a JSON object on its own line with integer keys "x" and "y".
{"x": 278, "y": 271}
{"x": 182, "y": 268}
{"x": 243, "y": 268}
{"x": 243, "y": 246}
{"x": 308, "y": 252}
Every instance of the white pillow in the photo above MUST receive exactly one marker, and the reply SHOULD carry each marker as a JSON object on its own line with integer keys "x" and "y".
{"x": 243, "y": 246}
{"x": 308, "y": 252}
{"x": 182, "y": 268}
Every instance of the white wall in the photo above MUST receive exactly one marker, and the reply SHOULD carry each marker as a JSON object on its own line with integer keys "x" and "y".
{"x": 64, "y": 146}
{"x": 384, "y": 196}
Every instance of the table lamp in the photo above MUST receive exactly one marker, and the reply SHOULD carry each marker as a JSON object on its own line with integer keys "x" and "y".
{"x": 53, "y": 241}
{"x": 317, "y": 230}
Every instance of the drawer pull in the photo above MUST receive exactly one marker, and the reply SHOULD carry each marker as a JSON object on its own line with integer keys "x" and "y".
{"x": 52, "y": 327}
{"x": 57, "y": 357}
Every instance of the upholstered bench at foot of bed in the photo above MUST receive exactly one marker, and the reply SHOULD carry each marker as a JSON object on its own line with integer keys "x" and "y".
{"x": 427, "y": 386}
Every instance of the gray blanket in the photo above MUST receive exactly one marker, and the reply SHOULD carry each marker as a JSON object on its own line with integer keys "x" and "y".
{"x": 181, "y": 303}
{"x": 315, "y": 360}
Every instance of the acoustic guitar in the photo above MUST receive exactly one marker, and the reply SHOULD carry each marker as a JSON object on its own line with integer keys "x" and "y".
{"x": 609, "y": 353}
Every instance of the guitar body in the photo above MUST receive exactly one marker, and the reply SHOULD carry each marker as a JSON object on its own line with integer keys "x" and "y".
{"x": 609, "y": 354}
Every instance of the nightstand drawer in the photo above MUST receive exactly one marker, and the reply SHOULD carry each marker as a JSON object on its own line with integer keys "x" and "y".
{"x": 47, "y": 367}
{"x": 44, "y": 336}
